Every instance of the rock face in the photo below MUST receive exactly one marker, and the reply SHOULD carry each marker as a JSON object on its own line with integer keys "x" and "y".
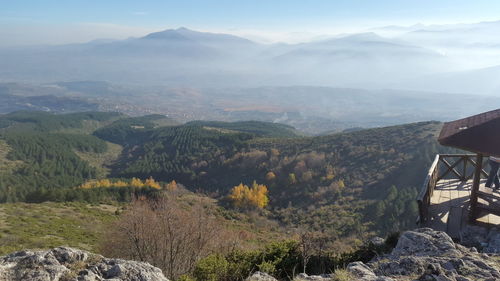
{"x": 67, "y": 264}
{"x": 426, "y": 254}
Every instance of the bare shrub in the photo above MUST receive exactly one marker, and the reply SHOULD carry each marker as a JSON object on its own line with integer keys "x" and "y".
{"x": 163, "y": 233}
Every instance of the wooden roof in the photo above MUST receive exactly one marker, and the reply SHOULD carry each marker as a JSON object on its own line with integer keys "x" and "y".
{"x": 479, "y": 133}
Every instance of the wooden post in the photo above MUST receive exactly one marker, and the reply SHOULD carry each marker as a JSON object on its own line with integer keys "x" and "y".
{"x": 473, "y": 213}
{"x": 464, "y": 175}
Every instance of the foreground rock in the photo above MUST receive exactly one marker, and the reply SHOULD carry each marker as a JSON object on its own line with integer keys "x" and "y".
{"x": 426, "y": 254}
{"x": 65, "y": 264}
{"x": 488, "y": 240}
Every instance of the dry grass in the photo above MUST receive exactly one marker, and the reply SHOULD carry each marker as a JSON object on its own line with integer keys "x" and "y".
{"x": 48, "y": 225}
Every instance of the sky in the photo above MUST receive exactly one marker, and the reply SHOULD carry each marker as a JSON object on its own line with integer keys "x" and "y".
{"x": 28, "y": 22}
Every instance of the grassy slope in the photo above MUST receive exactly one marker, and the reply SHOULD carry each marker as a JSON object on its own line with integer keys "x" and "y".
{"x": 46, "y": 225}
{"x": 81, "y": 225}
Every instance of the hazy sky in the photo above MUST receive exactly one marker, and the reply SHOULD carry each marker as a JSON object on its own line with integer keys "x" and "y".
{"x": 51, "y": 21}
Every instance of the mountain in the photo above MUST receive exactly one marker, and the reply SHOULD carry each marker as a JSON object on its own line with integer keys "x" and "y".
{"x": 482, "y": 81}
{"x": 359, "y": 58}
{"x": 455, "y": 35}
{"x": 363, "y": 45}
{"x": 404, "y": 58}
{"x": 214, "y": 40}
{"x": 170, "y": 43}
{"x": 183, "y": 57}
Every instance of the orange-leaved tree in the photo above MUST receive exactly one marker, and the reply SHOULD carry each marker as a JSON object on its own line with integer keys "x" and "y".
{"x": 245, "y": 197}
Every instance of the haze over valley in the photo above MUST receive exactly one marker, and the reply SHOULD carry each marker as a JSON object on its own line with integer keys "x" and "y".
{"x": 384, "y": 76}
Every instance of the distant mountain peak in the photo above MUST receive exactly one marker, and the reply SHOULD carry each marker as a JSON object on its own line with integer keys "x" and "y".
{"x": 186, "y": 34}
{"x": 168, "y": 34}
{"x": 365, "y": 36}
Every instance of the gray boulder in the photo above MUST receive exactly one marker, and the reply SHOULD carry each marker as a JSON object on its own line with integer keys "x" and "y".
{"x": 432, "y": 255}
{"x": 425, "y": 242}
{"x": 261, "y": 276}
{"x": 68, "y": 264}
{"x": 362, "y": 272}
{"x": 305, "y": 277}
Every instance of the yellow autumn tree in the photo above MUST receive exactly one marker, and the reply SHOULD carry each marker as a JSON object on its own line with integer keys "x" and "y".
{"x": 87, "y": 185}
{"x": 104, "y": 183}
{"x": 245, "y": 197}
{"x": 120, "y": 184}
{"x": 152, "y": 183}
{"x": 171, "y": 186}
{"x": 135, "y": 182}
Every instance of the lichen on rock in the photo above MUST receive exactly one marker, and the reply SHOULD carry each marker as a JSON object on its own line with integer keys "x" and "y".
{"x": 68, "y": 264}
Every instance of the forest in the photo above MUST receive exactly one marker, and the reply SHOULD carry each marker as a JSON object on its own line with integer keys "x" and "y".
{"x": 344, "y": 186}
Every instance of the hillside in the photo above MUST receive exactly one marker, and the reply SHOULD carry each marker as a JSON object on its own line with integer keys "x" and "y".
{"x": 338, "y": 189}
{"x": 337, "y": 176}
{"x": 340, "y": 183}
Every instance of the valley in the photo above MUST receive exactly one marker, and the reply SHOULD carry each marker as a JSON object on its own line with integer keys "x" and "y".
{"x": 312, "y": 110}
{"x": 339, "y": 184}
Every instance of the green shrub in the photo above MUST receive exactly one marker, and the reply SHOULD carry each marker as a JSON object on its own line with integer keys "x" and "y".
{"x": 212, "y": 268}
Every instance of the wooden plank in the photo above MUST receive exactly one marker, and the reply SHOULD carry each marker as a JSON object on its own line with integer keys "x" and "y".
{"x": 494, "y": 219}
{"x": 438, "y": 218}
{"x": 491, "y": 208}
{"x": 463, "y": 195}
{"x": 475, "y": 188}
{"x": 454, "y": 222}
{"x": 463, "y": 222}
{"x": 445, "y": 196}
{"x": 458, "y": 155}
{"x": 455, "y": 200}
{"x": 435, "y": 197}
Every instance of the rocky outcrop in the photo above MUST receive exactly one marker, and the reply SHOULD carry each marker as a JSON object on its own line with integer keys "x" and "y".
{"x": 67, "y": 264}
{"x": 422, "y": 254}
{"x": 426, "y": 254}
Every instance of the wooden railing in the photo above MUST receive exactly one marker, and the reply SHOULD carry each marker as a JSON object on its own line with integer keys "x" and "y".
{"x": 455, "y": 166}
{"x": 462, "y": 172}
{"x": 424, "y": 197}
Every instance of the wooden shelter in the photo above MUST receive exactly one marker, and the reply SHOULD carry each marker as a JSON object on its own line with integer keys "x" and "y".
{"x": 480, "y": 134}
{"x": 453, "y": 194}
